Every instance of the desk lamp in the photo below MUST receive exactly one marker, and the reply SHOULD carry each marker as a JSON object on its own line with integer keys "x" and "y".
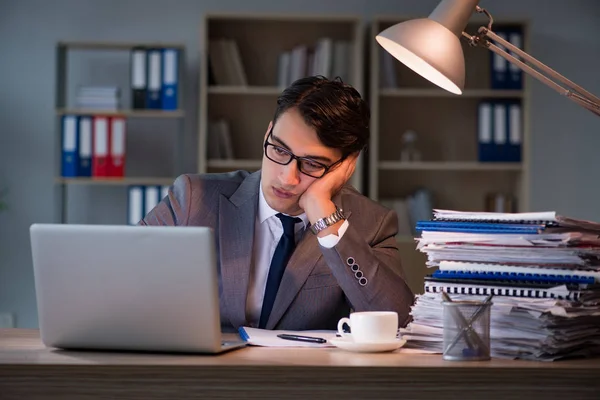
{"x": 431, "y": 47}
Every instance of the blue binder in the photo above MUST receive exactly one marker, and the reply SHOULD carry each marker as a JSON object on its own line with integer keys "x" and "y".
{"x": 484, "y": 132}
{"x": 499, "y": 66}
{"x": 515, "y": 132}
{"x": 500, "y": 131}
{"x": 85, "y": 146}
{"x": 70, "y": 151}
{"x": 515, "y": 74}
{"x": 170, "y": 81}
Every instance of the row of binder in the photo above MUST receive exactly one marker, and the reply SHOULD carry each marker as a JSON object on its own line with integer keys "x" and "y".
{"x": 93, "y": 146}
{"x": 154, "y": 78}
{"x": 500, "y": 131}
{"x": 505, "y": 75}
{"x": 141, "y": 199}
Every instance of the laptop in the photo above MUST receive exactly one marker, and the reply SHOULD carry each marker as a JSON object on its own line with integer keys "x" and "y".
{"x": 132, "y": 288}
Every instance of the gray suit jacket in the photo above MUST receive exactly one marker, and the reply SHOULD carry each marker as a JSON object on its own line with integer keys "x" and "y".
{"x": 318, "y": 286}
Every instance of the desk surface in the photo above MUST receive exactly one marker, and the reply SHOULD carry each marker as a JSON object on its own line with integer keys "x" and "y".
{"x": 30, "y": 370}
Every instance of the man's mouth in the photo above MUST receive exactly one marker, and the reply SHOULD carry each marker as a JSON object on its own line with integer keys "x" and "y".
{"x": 282, "y": 193}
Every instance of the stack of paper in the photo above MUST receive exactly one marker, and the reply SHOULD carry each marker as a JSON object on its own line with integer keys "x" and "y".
{"x": 542, "y": 268}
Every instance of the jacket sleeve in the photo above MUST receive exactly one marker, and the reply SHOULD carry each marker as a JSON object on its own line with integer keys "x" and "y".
{"x": 174, "y": 209}
{"x": 369, "y": 270}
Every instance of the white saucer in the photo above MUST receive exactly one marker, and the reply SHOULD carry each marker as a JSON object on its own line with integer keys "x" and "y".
{"x": 374, "y": 347}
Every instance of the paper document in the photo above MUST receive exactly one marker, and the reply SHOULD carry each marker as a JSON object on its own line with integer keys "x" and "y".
{"x": 268, "y": 338}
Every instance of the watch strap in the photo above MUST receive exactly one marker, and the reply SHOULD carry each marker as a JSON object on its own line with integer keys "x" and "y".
{"x": 327, "y": 221}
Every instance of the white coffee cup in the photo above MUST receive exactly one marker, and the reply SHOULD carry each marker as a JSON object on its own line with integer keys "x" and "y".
{"x": 370, "y": 326}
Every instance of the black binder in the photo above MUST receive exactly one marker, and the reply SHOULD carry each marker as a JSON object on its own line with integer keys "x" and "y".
{"x": 139, "y": 78}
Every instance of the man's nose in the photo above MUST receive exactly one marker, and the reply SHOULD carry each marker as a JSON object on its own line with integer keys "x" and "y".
{"x": 290, "y": 174}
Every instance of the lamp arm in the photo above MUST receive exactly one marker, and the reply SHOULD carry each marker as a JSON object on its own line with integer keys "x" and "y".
{"x": 570, "y": 89}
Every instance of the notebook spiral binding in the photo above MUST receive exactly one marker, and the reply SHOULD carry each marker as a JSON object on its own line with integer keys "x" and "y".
{"x": 514, "y": 292}
{"x": 498, "y": 221}
{"x": 516, "y": 276}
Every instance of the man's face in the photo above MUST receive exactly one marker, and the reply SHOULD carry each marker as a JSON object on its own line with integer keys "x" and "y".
{"x": 283, "y": 185}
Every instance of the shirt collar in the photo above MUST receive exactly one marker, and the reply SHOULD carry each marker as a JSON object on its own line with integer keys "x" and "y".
{"x": 265, "y": 211}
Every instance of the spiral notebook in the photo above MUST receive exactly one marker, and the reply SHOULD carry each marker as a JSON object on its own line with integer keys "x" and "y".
{"x": 548, "y": 218}
{"x": 579, "y": 275}
{"x": 557, "y": 292}
{"x": 479, "y": 227}
{"x": 496, "y": 276}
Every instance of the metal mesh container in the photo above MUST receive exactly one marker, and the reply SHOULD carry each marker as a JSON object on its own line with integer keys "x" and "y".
{"x": 466, "y": 330}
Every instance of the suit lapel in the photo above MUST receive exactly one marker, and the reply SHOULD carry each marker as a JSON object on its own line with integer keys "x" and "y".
{"x": 301, "y": 264}
{"x": 237, "y": 216}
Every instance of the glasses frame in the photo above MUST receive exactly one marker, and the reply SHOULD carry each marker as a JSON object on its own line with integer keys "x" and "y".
{"x": 326, "y": 168}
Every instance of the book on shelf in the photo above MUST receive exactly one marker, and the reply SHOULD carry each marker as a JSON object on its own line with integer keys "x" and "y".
{"x": 327, "y": 57}
{"x": 226, "y": 63}
{"x": 102, "y": 98}
{"x": 219, "y": 142}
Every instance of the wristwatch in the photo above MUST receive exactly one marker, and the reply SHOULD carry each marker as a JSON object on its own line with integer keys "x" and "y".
{"x": 326, "y": 222}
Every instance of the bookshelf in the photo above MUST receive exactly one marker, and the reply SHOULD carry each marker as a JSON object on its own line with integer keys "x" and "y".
{"x": 446, "y": 127}
{"x": 247, "y": 108}
{"x": 66, "y": 79}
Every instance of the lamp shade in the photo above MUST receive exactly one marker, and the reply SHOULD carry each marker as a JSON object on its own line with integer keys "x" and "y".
{"x": 431, "y": 46}
{"x": 428, "y": 48}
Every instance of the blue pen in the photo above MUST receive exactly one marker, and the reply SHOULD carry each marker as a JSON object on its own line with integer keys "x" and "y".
{"x": 300, "y": 338}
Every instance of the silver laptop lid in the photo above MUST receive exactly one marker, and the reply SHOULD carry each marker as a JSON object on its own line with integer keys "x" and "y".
{"x": 126, "y": 287}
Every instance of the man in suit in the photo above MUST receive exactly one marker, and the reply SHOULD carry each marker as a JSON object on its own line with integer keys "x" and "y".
{"x": 298, "y": 248}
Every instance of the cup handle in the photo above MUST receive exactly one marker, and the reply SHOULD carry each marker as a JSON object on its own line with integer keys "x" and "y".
{"x": 340, "y": 326}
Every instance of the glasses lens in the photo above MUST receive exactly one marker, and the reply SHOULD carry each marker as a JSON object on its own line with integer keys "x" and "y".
{"x": 277, "y": 154}
{"x": 312, "y": 168}
{"x": 283, "y": 156}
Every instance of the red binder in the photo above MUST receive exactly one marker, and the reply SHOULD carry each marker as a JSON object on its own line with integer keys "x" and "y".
{"x": 101, "y": 145}
{"x": 116, "y": 163}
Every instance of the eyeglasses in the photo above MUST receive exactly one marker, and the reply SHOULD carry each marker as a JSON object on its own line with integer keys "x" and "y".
{"x": 307, "y": 166}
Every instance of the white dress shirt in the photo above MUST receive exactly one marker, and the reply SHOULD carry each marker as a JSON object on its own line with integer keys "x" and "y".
{"x": 268, "y": 229}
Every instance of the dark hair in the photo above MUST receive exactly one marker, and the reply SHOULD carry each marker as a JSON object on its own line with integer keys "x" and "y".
{"x": 333, "y": 108}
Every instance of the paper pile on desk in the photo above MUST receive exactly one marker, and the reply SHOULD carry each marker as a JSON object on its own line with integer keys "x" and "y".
{"x": 542, "y": 268}
{"x": 536, "y": 329}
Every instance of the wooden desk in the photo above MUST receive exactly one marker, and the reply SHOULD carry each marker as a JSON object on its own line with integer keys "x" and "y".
{"x": 28, "y": 370}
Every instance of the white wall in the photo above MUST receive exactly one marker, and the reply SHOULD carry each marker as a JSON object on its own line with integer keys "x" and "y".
{"x": 566, "y": 138}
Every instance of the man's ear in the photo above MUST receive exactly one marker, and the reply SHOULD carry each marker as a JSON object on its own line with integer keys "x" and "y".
{"x": 268, "y": 130}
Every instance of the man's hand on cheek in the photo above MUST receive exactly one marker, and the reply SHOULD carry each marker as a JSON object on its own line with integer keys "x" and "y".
{"x": 316, "y": 200}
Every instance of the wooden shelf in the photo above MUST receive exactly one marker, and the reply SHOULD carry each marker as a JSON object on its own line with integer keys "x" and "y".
{"x": 469, "y": 93}
{"x": 124, "y": 112}
{"x": 74, "y": 45}
{"x": 449, "y": 166}
{"x": 261, "y": 39}
{"x": 116, "y": 181}
{"x": 235, "y": 164}
{"x": 248, "y": 90}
